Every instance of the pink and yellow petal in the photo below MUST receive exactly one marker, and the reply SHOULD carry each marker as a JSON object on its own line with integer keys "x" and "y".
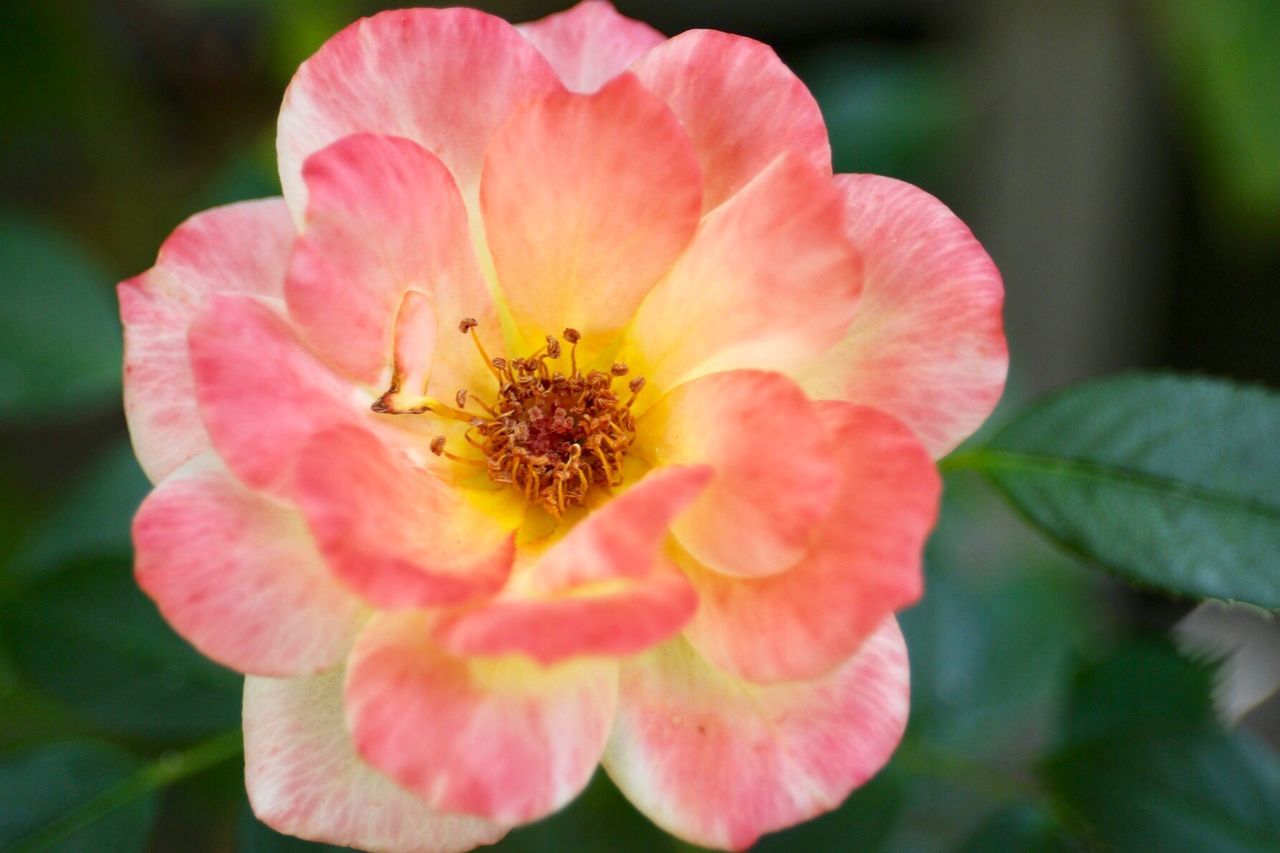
{"x": 238, "y": 575}
{"x": 769, "y": 282}
{"x": 393, "y": 531}
{"x": 865, "y": 563}
{"x": 740, "y": 105}
{"x": 927, "y": 344}
{"x": 262, "y": 392}
{"x": 590, "y": 43}
{"x": 587, "y": 200}
{"x": 775, "y": 473}
{"x": 240, "y": 248}
{"x": 719, "y": 762}
{"x": 604, "y": 589}
{"x": 445, "y": 78}
{"x": 385, "y": 217}
{"x": 305, "y": 779}
{"x": 502, "y": 739}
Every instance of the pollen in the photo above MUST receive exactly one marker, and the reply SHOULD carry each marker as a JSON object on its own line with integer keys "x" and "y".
{"x": 552, "y": 434}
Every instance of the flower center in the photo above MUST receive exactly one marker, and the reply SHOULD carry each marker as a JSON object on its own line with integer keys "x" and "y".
{"x": 554, "y": 436}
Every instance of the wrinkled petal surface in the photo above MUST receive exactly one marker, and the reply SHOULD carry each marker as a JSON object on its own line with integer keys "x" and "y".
{"x": 864, "y": 564}
{"x": 774, "y": 471}
{"x": 719, "y": 762}
{"x": 927, "y": 344}
{"x": 601, "y": 590}
{"x": 769, "y": 281}
{"x": 384, "y": 216}
{"x": 238, "y": 575}
{"x": 395, "y": 532}
{"x": 305, "y": 778}
{"x": 590, "y": 43}
{"x": 503, "y": 739}
{"x": 739, "y": 104}
{"x": 587, "y": 201}
{"x": 240, "y": 248}
{"x": 262, "y": 392}
{"x": 445, "y": 78}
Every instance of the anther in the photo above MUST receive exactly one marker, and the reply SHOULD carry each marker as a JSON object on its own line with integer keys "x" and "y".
{"x": 636, "y": 384}
{"x": 572, "y": 335}
{"x": 437, "y": 445}
{"x": 619, "y": 369}
{"x": 553, "y": 347}
{"x": 461, "y": 398}
{"x": 466, "y": 324}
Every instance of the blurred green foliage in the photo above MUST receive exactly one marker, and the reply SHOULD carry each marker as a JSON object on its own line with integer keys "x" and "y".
{"x": 1041, "y": 719}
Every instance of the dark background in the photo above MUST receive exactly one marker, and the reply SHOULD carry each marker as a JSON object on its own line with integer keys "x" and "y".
{"x": 1119, "y": 160}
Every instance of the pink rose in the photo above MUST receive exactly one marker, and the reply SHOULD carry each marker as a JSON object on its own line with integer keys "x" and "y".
{"x": 565, "y": 410}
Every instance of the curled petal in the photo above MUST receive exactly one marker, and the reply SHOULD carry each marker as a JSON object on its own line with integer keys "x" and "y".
{"x": 384, "y": 216}
{"x": 395, "y": 532}
{"x": 740, "y": 105}
{"x": 502, "y": 739}
{"x": 775, "y": 475}
{"x": 587, "y": 200}
{"x": 238, "y": 575}
{"x": 719, "y": 762}
{"x": 927, "y": 344}
{"x": 865, "y": 562}
{"x": 240, "y": 248}
{"x": 601, "y": 590}
{"x": 590, "y": 44}
{"x": 445, "y": 78}
{"x": 769, "y": 281}
{"x": 304, "y": 777}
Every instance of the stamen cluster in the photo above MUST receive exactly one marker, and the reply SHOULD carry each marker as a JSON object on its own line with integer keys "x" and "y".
{"x": 552, "y": 435}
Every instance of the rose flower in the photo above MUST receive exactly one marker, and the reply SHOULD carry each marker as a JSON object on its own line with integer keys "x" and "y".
{"x": 565, "y": 410}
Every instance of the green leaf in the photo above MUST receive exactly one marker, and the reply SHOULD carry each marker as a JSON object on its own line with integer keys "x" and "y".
{"x": 1167, "y": 481}
{"x": 1017, "y": 829}
{"x": 89, "y": 637}
{"x": 59, "y": 339}
{"x": 49, "y": 791}
{"x": 92, "y": 517}
{"x": 1142, "y": 764}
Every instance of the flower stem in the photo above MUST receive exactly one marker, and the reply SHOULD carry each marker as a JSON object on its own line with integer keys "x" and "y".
{"x": 165, "y": 770}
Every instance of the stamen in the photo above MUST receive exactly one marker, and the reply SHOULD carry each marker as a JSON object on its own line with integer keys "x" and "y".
{"x": 468, "y": 324}
{"x": 550, "y": 435}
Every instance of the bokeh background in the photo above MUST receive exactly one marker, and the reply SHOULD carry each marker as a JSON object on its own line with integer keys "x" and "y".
{"x": 1119, "y": 160}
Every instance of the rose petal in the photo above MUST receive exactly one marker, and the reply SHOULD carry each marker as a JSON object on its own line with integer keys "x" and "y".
{"x": 384, "y": 216}
{"x": 590, "y": 43}
{"x": 238, "y": 575}
{"x": 740, "y": 105}
{"x": 775, "y": 475}
{"x": 503, "y": 739}
{"x": 864, "y": 565}
{"x": 394, "y": 532}
{"x": 305, "y": 779}
{"x": 587, "y": 201}
{"x": 719, "y": 762}
{"x": 769, "y": 281}
{"x": 261, "y": 392}
{"x": 601, "y": 590}
{"x": 238, "y": 248}
{"x": 445, "y": 78}
{"x": 927, "y": 344}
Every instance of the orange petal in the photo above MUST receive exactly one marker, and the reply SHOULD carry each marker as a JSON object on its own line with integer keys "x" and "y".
{"x": 775, "y": 474}
{"x": 587, "y": 200}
